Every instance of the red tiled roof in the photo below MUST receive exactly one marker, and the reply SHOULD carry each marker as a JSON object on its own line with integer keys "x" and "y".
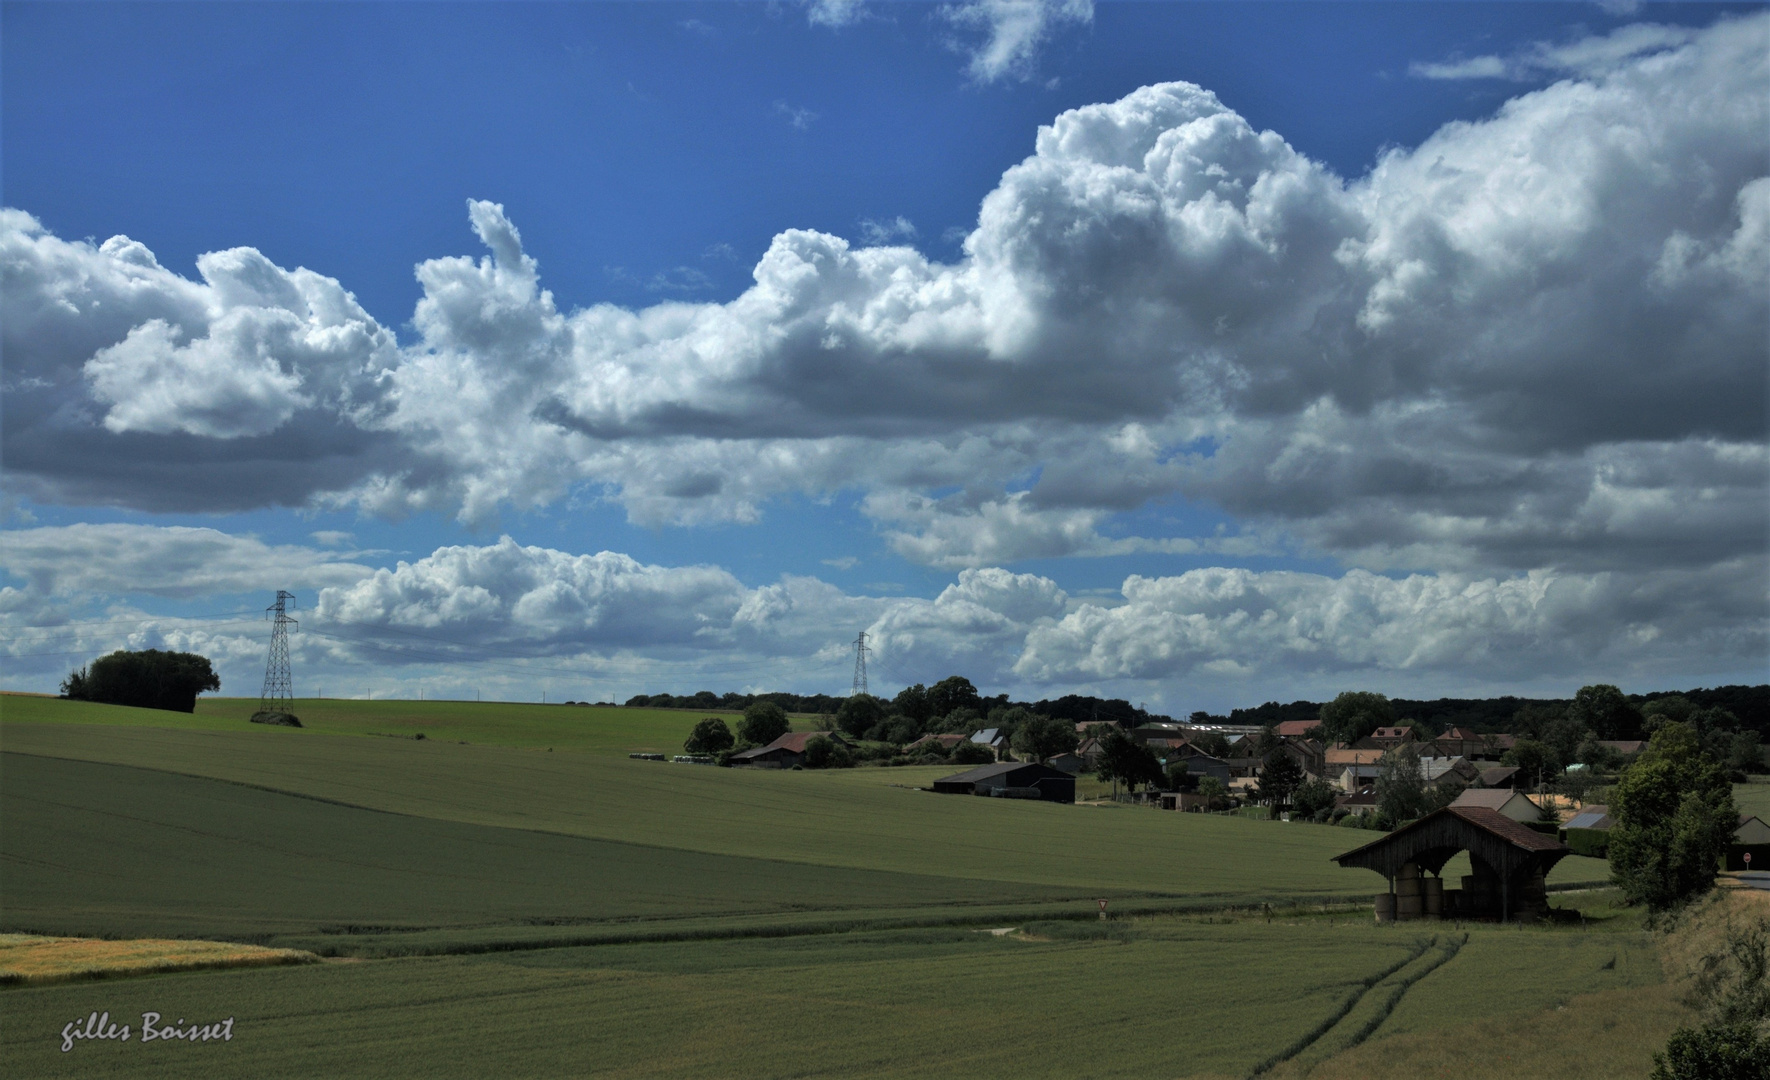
{"x": 1504, "y": 827}
{"x": 1297, "y": 727}
{"x": 796, "y": 740}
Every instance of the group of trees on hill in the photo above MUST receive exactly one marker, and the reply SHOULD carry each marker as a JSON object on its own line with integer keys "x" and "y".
{"x": 144, "y": 679}
{"x": 1749, "y": 705}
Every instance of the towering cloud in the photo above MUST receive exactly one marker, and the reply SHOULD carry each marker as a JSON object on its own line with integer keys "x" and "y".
{"x": 1536, "y": 340}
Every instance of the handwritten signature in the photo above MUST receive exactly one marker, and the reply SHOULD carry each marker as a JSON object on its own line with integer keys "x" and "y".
{"x": 101, "y": 1026}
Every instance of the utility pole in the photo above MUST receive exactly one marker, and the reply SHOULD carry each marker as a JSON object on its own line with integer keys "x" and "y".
{"x": 860, "y": 663}
{"x": 278, "y": 695}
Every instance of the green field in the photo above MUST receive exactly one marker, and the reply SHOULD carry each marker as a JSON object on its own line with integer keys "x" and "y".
{"x": 501, "y": 908}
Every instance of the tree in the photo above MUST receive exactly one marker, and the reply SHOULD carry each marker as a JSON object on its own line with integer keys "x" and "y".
{"x": 1043, "y": 737}
{"x": 1353, "y": 715}
{"x": 1179, "y": 776}
{"x": 1535, "y": 759}
{"x": 1603, "y": 708}
{"x": 953, "y": 692}
{"x": 1278, "y": 779}
{"x": 1122, "y": 759}
{"x": 1314, "y": 799}
{"x": 912, "y": 701}
{"x": 149, "y": 679}
{"x": 709, "y": 737}
{"x": 859, "y": 713}
{"x": 1213, "y": 791}
{"x": 763, "y": 722}
{"x": 1401, "y": 790}
{"x": 1674, "y": 817}
{"x": 823, "y": 753}
{"x": 900, "y": 730}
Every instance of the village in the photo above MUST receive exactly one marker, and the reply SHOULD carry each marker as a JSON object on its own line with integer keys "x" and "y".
{"x": 1515, "y": 802}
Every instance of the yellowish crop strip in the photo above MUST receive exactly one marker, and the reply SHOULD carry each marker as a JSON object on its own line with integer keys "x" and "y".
{"x": 32, "y": 959}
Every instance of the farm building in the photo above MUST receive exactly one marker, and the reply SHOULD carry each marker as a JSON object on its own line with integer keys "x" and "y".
{"x": 945, "y": 742}
{"x": 1514, "y": 804}
{"x": 1011, "y": 778}
{"x": 1510, "y": 865}
{"x": 784, "y": 752}
{"x": 1588, "y": 832}
{"x": 1751, "y": 838}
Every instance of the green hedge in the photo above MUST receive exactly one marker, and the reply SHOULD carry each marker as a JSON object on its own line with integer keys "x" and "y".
{"x": 1592, "y": 842}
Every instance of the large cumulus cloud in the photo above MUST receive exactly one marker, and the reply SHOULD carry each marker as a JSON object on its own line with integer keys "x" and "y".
{"x": 1535, "y": 340}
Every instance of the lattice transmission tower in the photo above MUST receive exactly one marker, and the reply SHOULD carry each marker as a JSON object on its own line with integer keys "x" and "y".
{"x": 279, "y": 687}
{"x": 860, "y": 663}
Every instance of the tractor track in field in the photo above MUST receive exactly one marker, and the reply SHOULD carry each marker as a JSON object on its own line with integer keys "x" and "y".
{"x": 1447, "y": 949}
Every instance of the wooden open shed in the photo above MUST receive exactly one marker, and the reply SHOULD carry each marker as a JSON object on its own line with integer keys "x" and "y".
{"x": 1510, "y": 864}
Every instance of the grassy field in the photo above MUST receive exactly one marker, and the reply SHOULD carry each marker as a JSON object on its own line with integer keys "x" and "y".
{"x": 1150, "y": 997}
{"x": 590, "y": 728}
{"x": 505, "y": 909}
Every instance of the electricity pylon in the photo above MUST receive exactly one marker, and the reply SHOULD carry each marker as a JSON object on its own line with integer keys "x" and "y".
{"x": 860, "y": 663}
{"x": 279, "y": 687}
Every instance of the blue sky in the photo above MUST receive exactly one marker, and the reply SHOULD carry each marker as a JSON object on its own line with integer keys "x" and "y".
{"x": 1318, "y": 471}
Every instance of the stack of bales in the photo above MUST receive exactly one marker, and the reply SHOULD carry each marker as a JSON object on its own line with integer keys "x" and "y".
{"x": 1415, "y": 897}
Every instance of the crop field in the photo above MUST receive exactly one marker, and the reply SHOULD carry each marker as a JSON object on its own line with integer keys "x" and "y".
{"x": 490, "y": 906}
{"x": 34, "y": 958}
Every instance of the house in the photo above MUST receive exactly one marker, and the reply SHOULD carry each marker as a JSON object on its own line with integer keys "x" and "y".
{"x": 1625, "y": 747}
{"x": 945, "y": 742}
{"x": 1752, "y": 837}
{"x": 1201, "y": 764}
{"x": 1460, "y": 742}
{"x": 1513, "y": 804}
{"x": 1338, "y": 757}
{"x": 1011, "y": 779}
{"x": 1438, "y": 770}
{"x": 1356, "y": 778}
{"x": 1386, "y": 738}
{"x": 992, "y": 738}
{"x": 1500, "y": 776}
{"x": 1089, "y": 751}
{"x": 786, "y": 751}
{"x": 1297, "y": 729}
{"x": 1495, "y": 744}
